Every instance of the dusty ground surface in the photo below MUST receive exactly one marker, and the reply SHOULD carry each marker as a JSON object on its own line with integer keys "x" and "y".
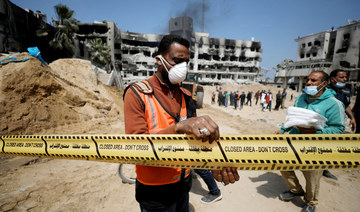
{"x": 67, "y": 99}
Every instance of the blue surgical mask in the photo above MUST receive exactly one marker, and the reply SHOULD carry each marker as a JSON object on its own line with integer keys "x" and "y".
{"x": 339, "y": 84}
{"x": 312, "y": 90}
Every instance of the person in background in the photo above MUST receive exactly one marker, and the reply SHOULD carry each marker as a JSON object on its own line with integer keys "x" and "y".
{"x": 159, "y": 105}
{"x": 283, "y": 98}
{"x": 232, "y": 97}
{"x": 249, "y": 98}
{"x": 338, "y": 80}
{"x": 269, "y": 98}
{"x": 256, "y": 96}
{"x": 236, "y": 99}
{"x": 263, "y": 100}
{"x": 220, "y": 97}
{"x": 356, "y": 109}
{"x": 214, "y": 191}
{"x": 213, "y": 98}
{"x": 278, "y": 100}
{"x": 321, "y": 100}
{"x": 337, "y": 83}
{"x": 242, "y": 100}
{"x": 356, "y": 86}
{"x": 226, "y": 99}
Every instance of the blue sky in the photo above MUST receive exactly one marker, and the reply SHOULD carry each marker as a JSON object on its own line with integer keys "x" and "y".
{"x": 276, "y": 23}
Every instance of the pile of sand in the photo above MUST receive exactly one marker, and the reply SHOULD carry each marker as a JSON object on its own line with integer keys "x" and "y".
{"x": 34, "y": 97}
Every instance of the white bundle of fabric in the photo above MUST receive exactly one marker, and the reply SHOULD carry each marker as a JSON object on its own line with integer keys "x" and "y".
{"x": 301, "y": 117}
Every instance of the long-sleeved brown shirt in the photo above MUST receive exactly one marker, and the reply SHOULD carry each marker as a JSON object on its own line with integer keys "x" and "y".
{"x": 134, "y": 113}
{"x": 150, "y": 196}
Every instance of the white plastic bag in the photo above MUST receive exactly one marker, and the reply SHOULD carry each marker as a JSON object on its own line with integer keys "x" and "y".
{"x": 301, "y": 117}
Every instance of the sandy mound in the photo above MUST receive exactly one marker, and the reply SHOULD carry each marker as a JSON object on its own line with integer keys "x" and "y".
{"x": 34, "y": 98}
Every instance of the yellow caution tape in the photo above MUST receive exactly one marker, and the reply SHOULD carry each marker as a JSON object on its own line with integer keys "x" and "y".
{"x": 246, "y": 152}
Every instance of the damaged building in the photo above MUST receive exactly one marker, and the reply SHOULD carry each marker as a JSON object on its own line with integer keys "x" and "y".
{"x": 106, "y": 31}
{"x": 137, "y": 55}
{"x": 18, "y": 28}
{"x": 327, "y": 51}
{"x": 347, "y": 49}
{"x": 219, "y": 60}
{"x": 216, "y": 60}
{"x": 110, "y": 35}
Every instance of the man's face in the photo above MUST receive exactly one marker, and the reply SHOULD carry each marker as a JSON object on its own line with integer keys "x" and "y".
{"x": 314, "y": 79}
{"x": 340, "y": 77}
{"x": 177, "y": 54}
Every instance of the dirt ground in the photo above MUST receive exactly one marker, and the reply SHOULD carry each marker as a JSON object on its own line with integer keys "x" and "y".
{"x": 66, "y": 98}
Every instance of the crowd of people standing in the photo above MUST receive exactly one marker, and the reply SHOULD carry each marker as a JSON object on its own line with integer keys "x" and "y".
{"x": 238, "y": 100}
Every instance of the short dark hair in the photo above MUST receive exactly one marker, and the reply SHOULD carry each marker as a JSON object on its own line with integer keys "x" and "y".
{"x": 167, "y": 40}
{"x": 335, "y": 72}
{"x": 325, "y": 76}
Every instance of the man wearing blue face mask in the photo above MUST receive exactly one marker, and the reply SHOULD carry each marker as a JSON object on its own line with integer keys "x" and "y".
{"x": 338, "y": 80}
{"x": 321, "y": 100}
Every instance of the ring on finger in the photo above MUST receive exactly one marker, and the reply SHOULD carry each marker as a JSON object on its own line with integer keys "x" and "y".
{"x": 203, "y": 131}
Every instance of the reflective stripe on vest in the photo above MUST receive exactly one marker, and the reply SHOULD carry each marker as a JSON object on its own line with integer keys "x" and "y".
{"x": 158, "y": 118}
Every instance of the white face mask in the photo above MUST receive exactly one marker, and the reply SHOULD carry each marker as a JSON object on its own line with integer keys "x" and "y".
{"x": 177, "y": 73}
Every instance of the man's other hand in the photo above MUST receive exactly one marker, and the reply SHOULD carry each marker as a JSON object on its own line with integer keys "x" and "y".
{"x": 226, "y": 175}
{"x": 310, "y": 130}
{"x": 278, "y": 132}
{"x": 353, "y": 124}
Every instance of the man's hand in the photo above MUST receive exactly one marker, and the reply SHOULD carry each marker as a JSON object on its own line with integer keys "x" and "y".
{"x": 349, "y": 114}
{"x": 310, "y": 130}
{"x": 278, "y": 132}
{"x": 202, "y": 127}
{"x": 226, "y": 175}
{"x": 353, "y": 124}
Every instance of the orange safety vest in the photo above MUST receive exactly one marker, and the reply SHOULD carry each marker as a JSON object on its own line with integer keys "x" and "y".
{"x": 158, "y": 118}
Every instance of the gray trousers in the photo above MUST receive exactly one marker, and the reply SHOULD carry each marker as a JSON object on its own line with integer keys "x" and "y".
{"x": 312, "y": 179}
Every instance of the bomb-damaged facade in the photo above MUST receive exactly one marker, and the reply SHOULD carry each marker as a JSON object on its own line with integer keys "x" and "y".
{"x": 327, "y": 51}
{"x": 216, "y": 60}
{"x": 18, "y": 28}
{"x": 220, "y": 60}
{"x": 138, "y": 53}
{"x": 347, "y": 49}
{"x": 106, "y": 31}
